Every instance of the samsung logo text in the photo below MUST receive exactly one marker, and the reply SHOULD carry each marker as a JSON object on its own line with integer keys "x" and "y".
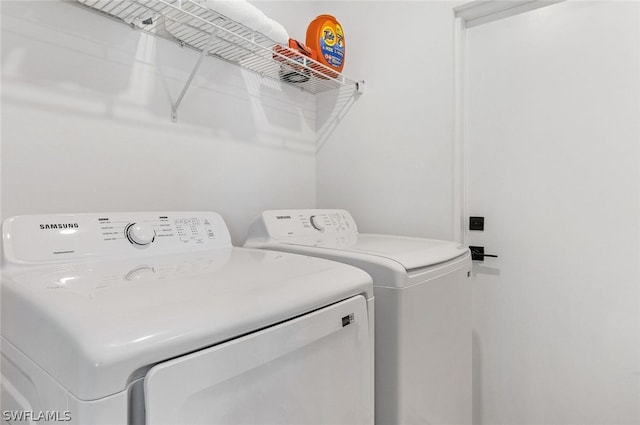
{"x": 59, "y": 226}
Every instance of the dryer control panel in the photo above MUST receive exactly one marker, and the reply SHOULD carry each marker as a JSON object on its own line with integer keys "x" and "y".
{"x": 61, "y": 237}
{"x": 306, "y": 223}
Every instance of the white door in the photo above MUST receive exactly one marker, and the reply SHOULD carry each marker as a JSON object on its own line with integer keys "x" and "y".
{"x": 313, "y": 370}
{"x": 553, "y": 165}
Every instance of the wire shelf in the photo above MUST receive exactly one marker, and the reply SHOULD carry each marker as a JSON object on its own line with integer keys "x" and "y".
{"x": 195, "y": 25}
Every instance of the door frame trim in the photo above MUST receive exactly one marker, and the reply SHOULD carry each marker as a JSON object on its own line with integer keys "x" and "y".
{"x": 469, "y": 15}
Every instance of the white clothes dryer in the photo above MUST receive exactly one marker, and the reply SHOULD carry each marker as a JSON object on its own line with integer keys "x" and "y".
{"x": 154, "y": 318}
{"x": 423, "y": 309}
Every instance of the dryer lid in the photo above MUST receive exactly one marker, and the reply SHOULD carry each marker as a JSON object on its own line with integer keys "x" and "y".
{"x": 95, "y": 326}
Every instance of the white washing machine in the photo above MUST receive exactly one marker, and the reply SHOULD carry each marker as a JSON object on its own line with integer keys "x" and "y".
{"x": 154, "y": 318}
{"x": 423, "y": 309}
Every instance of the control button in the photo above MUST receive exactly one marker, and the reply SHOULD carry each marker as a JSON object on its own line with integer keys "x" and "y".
{"x": 140, "y": 234}
{"x": 314, "y": 222}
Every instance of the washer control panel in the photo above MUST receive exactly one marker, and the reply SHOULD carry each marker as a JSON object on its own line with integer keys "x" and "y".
{"x": 61, "y": 237}
{"x": 305, "y": 223}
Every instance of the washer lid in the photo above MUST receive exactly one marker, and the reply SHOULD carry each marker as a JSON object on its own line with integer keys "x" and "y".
{"x": 335, "y": 229}
{"x": 411, "y": 253}
{"x": 96, "y": 326}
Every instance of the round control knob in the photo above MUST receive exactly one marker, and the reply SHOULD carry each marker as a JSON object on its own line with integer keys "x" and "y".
{"x": 140, "y": 234}
{"x": 314, "y": 222}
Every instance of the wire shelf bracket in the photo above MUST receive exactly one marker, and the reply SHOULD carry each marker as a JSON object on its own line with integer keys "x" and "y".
{"x": 174, "y": 107}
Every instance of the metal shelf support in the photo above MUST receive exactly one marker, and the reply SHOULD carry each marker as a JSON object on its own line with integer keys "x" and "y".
{"x": 203, "y": 53}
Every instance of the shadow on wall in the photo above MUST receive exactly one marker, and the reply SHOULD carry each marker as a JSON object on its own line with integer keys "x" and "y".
{"x": 61, "y": 57}
{"x": 332, "y": 107}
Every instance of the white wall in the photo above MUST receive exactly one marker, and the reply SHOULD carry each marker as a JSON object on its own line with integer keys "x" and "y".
{"x": 554, "y": 165}
{"x": 387, "y": 156}
{"x": 86, "y": 127}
